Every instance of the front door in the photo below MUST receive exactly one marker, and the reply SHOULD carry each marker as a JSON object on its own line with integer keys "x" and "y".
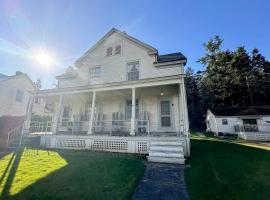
{"x": 165, "y": 114}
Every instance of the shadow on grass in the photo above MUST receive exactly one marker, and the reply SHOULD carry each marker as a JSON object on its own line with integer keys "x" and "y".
{"x": 226, "y": 170}
{"x": 88, "y": 175}
{"x": 11, "y": 168}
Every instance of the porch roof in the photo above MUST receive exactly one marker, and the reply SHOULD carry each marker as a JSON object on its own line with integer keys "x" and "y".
{"x": 166, "y": 80}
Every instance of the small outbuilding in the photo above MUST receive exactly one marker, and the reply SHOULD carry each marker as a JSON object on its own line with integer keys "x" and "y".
{"x": 251, "y": 123}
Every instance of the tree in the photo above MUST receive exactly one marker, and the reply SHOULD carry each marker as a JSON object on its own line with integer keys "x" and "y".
{"x": 38, "y": 84}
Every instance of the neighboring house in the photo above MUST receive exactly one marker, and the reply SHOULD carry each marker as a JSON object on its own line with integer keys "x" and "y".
{"x": 14, "y": 99}
{"x": 251, "y": 123}
{"x": 117, "y": 95}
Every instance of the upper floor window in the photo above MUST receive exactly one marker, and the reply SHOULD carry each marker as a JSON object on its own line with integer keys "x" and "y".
{"x": 109, "y": 51}
{"x": 95, "y": 72}
{"x": 133, "y": 71}
{"x": 19, "y": 95}
{"x": 117, "y": 50}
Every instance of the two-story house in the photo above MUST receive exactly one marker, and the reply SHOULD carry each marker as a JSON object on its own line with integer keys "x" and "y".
{"x": 14, "y": 98}
{"x": 120, "y": 96}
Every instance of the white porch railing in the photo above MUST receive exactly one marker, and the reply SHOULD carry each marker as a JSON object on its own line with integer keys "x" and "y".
{"x": 103, "y": 127}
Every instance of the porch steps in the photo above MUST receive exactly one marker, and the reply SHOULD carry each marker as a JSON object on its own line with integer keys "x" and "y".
{"x": 166, "y": 152}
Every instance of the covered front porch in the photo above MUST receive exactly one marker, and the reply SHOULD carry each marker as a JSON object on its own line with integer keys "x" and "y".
{"x": 153, "y": 109}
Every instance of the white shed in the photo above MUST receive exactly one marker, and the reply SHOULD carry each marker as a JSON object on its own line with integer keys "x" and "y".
{"x": 247, "y": 122}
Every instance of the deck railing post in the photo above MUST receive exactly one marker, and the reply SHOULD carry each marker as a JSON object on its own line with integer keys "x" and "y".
{"x": 133, "y": 112}
{"x": 91, "y": 118}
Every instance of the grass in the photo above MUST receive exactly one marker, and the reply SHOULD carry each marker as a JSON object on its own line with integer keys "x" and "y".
{"x": 38, "y": 174}
{"x": 228, "y": 170}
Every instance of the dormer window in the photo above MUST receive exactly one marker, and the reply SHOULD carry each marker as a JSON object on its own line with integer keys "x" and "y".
{"x": 117, "y": 50}
{"x": 133, "y": 71}
{"x": 109, "y": 51}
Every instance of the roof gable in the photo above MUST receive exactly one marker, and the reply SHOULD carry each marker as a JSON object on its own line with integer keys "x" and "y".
{"x": 150, "y": 49}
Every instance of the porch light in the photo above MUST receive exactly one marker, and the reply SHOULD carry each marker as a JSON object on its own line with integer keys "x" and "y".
{"x": 161, "y": 93}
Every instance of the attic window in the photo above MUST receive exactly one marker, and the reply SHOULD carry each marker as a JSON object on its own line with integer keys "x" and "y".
{"x": 117, "y": 50}
{"x": 109, "y": 51}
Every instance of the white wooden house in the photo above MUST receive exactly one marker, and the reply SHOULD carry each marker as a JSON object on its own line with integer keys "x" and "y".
{"x": 120, "y": 96}
{"x": 250, "y": 123}
{"x": 15, "y": 92}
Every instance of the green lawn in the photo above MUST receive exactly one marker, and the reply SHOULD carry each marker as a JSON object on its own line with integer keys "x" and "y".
{"x": 65, "y": 175}
{"x": 228, "y": 170}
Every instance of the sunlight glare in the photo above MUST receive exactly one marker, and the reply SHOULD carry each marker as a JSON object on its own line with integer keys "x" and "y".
{"x": 44, "y": 59}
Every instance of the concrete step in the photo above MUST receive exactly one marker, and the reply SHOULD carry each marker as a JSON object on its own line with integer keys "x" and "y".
{"x": 166, "y": 143}
{"x": 166, "y": 160}
{"x": 166, "y": 154}
{"x": 176, "y": 149}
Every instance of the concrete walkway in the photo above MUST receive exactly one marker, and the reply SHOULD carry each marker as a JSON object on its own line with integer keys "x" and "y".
{"x": 162, "y": 181}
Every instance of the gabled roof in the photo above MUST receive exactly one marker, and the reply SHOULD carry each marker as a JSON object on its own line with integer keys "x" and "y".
{"x": 171, "y": 57}
{"x": 151, "y": 49}
{"x": 7, "y": 78}
{"x": 3, "y": 76}
{"x": 241, "y": 111}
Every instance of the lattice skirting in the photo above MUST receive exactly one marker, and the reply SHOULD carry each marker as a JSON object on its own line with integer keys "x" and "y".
{"x": 97, "y": 144}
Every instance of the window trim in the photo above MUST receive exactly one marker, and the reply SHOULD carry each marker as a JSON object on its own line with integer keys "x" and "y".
{"x": 93, "y": 78}
{"x": 139, "y": 69}
{"x": 19, "y": 98}
{"x": 107, "y": 50}
{"x": 137, "y": 109}
{"x": 119, "y": 54}
{"x": 224, "y": 122}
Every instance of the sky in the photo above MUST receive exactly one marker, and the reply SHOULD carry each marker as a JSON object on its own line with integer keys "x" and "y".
{"x": 65, "y": 29}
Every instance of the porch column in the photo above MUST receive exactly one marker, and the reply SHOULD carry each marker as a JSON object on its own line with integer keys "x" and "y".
{"x": 133, "y": 112}
{"x": 185, "y": 115}
{"x": 91, "y": 116}
{"x": 57, "y": 114}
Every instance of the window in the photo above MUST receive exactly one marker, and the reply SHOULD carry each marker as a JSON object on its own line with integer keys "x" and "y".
{"x": 94, "y": 75}
{"x": 36, "y": 100}
{"x": 224, "y": 122}
{"x": 128, "y": 109}
{"x": 66, "y": 116}
{"x": 109, "y": 51}
{"x": 19, "y": 95}
{"x": 117, "y": 50}
{"x": 133, "y": 71}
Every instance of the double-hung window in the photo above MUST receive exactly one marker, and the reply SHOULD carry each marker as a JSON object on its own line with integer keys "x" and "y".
{"x": 133, "y": 71}
{"x": 94, "y": 75}
{"x": 128, "y": 109}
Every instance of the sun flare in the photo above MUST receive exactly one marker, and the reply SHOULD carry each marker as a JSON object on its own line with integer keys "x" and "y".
{"x": 44, "y": 59}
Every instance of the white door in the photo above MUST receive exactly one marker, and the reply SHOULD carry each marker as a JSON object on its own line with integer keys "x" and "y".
{"x": 165, "y": 115}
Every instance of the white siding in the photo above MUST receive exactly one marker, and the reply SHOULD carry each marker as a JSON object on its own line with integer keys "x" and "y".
{"x": 8, "y": 88}
{"x": 114, "y": 67}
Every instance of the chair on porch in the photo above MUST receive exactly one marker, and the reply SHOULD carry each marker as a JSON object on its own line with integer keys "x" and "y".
{"x": 143, "y": 122}
{"x": 98, "y": 124}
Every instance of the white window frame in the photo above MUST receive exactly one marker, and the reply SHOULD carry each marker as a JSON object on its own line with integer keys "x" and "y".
{"x": 119, "y": 45}
{"x": 224, "y": 122}
{"x": 94, "y": 75}
{"x": 128, "y": 109}
{"x": 107, "y": 51}
{"x": 127, "y": 70}
{"x": 19, "y": 95}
